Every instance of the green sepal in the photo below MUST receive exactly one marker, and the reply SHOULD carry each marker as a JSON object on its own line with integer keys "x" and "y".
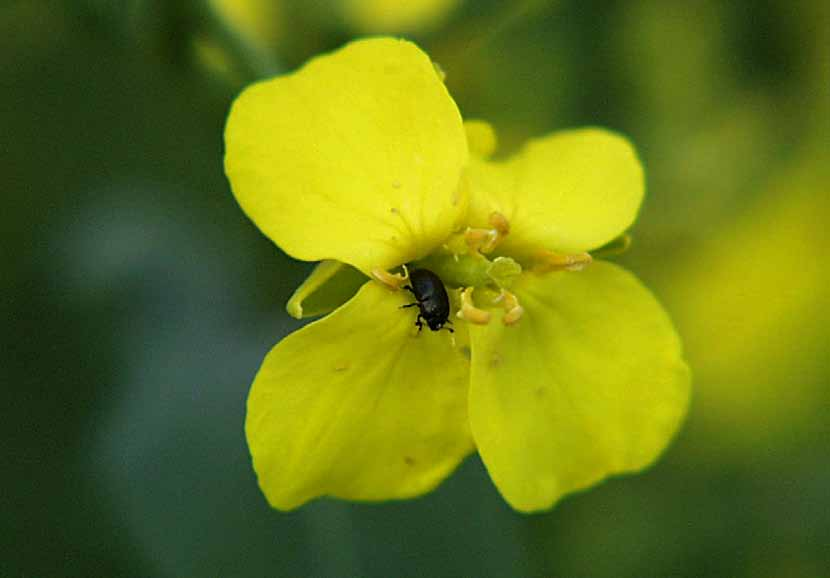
{"x": 330, "y": 284}
{"x": 616, "y": 246}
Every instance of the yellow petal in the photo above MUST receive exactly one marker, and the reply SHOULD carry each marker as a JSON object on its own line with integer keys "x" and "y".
{"x": 590, "y": 382}
{"x": 329, "y": 285}
{"x": 569, "y": 192}
{"x": 356, "y": 157}
{"x": 359, "y": 405}
{"x": 481, "y": 137}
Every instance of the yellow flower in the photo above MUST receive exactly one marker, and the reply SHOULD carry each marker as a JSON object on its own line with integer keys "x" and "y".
{"x": 558, "y": 377}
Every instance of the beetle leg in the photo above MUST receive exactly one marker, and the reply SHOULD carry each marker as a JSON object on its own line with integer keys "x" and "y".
{"x": 408, "y": 305}
{"x": 419, "y": 322}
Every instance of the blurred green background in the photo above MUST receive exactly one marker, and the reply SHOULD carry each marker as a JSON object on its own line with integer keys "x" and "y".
{"x": 138, "y": 301}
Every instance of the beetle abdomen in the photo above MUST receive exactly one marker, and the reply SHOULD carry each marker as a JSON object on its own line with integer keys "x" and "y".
{"x": 431, "y": 296}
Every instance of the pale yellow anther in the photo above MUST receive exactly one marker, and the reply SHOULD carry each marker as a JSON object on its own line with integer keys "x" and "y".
{"x": 469, "y": 312}
{"x": 485, "y": 240}
{"x": 550, "y": 261}
{"x": 512, "y": 310}
{"x": 391, "y": 280}
{"x": 500, "y": 223}
{"x": 480, "y": 240}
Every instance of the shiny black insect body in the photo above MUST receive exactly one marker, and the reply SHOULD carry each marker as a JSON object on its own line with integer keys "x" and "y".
{"x": 431, "y": 299}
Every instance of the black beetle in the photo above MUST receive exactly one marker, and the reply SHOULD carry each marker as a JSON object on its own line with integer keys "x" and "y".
{"x": 431, "y": 299}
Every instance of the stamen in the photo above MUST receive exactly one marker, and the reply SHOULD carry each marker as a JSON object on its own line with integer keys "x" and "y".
{"x": 549, "y": 261}
{"x": 392, "y": 281}
{"x": 469, "y": 312}
{"x": 500, "y": 223}
{"x": 480, "y": 240}
{"x": 513, "y": 311}
{"x": 486, "y": 240}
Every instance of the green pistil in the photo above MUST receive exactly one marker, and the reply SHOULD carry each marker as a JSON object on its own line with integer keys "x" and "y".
{"x": 471, "y": 270}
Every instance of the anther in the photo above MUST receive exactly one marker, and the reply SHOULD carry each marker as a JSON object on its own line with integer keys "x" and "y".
{"x": 485, "y": 240}
{"x": 469, "y": 312}
{"x": 500, "y": 223}
{"x": 391, "y": 280}
{"x": 550, "y": 261}
{"x": 480, "y": 240}
{"x": 512, "y": 310}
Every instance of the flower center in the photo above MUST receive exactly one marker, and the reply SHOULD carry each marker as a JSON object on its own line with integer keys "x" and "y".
{"x": 462, "y": 263}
